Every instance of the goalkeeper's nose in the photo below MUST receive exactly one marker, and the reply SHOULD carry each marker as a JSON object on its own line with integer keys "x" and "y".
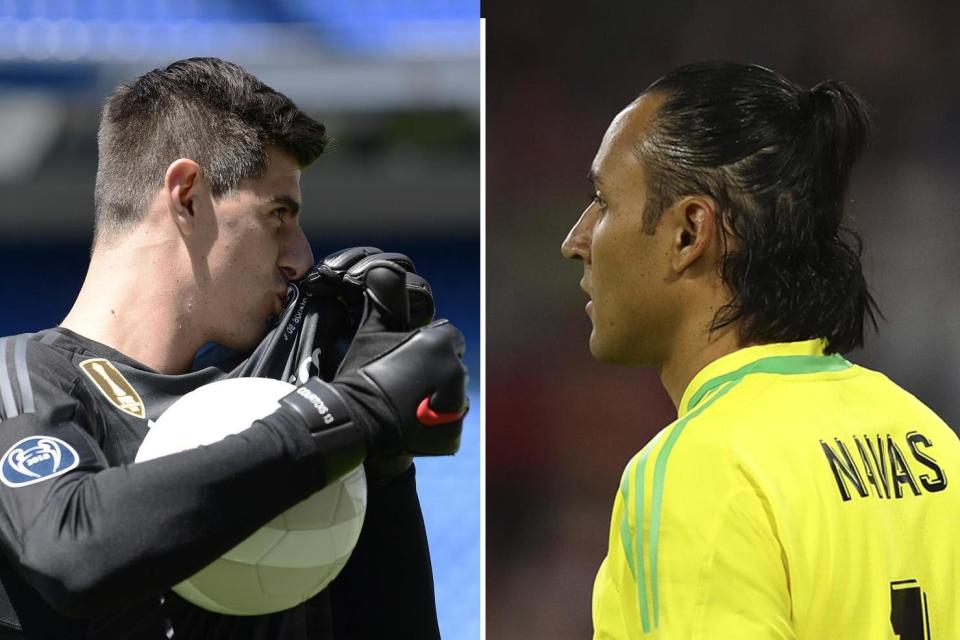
{"x": 576, "y": 246}
{"x": 296, "y": 257}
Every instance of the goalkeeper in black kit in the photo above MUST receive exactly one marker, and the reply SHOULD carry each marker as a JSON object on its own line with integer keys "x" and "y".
{"x": 198, "y": 241}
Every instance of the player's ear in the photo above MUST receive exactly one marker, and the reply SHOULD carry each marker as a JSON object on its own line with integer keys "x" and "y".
{"x": 693, "y": 232}
{"x": 182, "y": 184}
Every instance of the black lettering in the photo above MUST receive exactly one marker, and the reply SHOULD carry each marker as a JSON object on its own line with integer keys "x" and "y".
{"x": 846, "y": 467}
{"x": 879, "y": 463}
{"x": 868, "y": 468}
{"x": 914, "y": 440}
{"x": 900, "y": 470}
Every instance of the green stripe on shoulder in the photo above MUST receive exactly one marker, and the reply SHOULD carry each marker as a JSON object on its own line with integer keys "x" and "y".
{"x": 656, "y": 506}
{"x": 633, "y": 542}
{"x": 626, "y": 538}
{"x": 641, "y": 575}
{"x": 782, "y": 365}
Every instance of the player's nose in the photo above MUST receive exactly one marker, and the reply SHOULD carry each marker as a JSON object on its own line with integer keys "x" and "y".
{"x": 577, "y": 243}
{"x": 296, "y": 256}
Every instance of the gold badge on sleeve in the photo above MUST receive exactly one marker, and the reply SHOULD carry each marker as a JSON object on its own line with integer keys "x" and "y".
{"x": 114, "y": 386}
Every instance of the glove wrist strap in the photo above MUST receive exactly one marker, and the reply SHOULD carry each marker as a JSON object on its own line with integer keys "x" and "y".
{"x": 323, "y": 411}
{"x": 319, "y": 404}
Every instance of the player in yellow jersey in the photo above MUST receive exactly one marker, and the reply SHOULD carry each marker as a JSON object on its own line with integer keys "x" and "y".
{"x": 797, "y": 496}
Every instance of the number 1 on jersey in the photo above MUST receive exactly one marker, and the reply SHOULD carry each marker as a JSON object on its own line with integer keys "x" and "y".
{"x": 908, "y": 610}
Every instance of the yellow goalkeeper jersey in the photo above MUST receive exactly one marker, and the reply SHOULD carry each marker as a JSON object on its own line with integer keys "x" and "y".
{"x": 797, "y": 496}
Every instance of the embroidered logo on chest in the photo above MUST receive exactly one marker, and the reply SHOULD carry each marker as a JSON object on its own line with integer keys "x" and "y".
{"x": 114, "y": 386}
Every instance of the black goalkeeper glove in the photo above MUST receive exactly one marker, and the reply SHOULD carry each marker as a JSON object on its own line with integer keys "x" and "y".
{"x": 336, "y": 284}
{"x": 322, "y": 314}
{"x": 343, "y": 275}
{"x": 402, "y": 391}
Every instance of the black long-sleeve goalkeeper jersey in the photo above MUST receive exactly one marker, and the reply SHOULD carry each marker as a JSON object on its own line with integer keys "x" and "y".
{"x": 92, "y": 542}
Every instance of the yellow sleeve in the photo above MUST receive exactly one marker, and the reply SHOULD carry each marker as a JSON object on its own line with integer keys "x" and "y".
{"x": 608, "y": 621}
{"x": 739, "y": 587}
{"x": 608, "y": 611}
{"x": 696, "y": 556}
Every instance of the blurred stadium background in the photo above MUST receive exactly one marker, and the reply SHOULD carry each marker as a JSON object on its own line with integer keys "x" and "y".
{"x": 398, "y": 86}
{"x": 561, "y": 427}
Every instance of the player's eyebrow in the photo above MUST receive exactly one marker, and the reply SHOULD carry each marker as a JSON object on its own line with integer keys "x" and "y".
{"x": 288, "y": 202}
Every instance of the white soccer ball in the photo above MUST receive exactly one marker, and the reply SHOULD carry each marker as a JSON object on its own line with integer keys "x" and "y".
{"x": 295, "y": 555}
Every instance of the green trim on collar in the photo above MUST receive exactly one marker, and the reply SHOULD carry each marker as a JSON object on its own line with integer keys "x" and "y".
{"x": 781, "y": 365}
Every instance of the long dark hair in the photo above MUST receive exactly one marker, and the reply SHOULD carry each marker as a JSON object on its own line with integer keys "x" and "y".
{"x": 777, "y": 159}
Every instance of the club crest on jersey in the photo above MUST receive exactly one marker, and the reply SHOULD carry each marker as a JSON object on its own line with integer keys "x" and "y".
{"x": 35, "y": 459}
{"x": 114, "y": 386}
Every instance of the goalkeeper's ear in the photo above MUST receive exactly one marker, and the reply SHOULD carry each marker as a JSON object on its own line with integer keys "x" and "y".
{"x": 693, "y": 224}
{"x": 387, "y": 306}
{"x": 183, "y": 187}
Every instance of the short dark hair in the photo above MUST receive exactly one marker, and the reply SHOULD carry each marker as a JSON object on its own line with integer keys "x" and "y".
{"x": 206, "y": 109}
{"x": 777, "y": 159}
